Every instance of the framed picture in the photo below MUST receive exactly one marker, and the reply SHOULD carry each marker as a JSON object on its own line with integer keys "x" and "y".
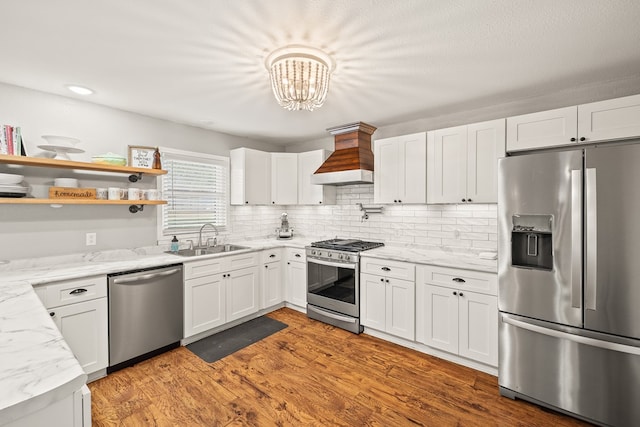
{"x": 141, "y": 157}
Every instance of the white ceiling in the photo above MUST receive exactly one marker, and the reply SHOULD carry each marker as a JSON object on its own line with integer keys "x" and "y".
{"x": 201, "y": 62}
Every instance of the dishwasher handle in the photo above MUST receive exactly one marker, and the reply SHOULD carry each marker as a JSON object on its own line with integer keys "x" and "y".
{"x": 148, "y": 276}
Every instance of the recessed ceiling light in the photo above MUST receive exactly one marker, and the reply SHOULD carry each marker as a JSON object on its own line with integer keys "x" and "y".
{"x": 80, "y": 90}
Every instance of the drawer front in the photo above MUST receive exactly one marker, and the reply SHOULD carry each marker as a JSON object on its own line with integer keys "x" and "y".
{"x": 394, "y": 269}
{"x": 75, "y": 290}
{"x": 205, "y": 267}
{"x": 236, "y": 262}
{"x": 271, "y": 255}
{"x": 296, "y": 255}
{"x": 476, "y": 281}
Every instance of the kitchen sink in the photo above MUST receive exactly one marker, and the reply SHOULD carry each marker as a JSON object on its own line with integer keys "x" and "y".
{"x": 211, "y": 250}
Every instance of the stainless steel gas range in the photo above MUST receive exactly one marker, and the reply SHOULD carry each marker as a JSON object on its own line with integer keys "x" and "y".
{"x": 333, "y": 281}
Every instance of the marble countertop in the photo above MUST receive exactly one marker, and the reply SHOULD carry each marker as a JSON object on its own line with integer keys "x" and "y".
{"x": 434, "y": 256}
{"x": 37, "y": 367}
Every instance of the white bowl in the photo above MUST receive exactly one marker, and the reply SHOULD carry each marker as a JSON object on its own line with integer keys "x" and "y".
{"x": 66, "y": 182}
{"x": 9, "y": 178}
{"x": 61, "y": 141}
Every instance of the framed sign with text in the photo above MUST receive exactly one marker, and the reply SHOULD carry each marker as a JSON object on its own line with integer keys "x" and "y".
{"x": 141, "y": 157}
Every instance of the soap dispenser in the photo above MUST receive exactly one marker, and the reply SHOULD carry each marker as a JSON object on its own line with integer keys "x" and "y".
{"x": 175, "y": 245}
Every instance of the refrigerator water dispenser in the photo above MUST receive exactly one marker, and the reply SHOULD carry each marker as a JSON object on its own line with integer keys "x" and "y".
{"x": 531, "y": 242}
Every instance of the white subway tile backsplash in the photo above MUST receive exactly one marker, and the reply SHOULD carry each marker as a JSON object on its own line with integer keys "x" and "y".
{"x": 461, "y": 226}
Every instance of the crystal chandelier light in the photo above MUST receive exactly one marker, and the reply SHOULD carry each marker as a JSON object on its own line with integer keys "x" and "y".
{"x": 299, "y": 76}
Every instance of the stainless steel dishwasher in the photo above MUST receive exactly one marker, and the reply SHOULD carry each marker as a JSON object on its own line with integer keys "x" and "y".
{"x": 145, "y": 314}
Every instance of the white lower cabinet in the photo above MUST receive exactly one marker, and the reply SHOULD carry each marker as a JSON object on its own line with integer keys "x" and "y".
{"x": 457, "y": 312}
{"x": 72, "y": 411}
{"x": 220, "y": 290}
{"x": 79, "y": 309}
{"x": 296, "y": 277}
{"x": 387, "y": 296}
{"x": 242, "y": 293}
{"x": 271, "y": 280}
{"x": 388, "y": 305}
{"x": 204, "y": 302}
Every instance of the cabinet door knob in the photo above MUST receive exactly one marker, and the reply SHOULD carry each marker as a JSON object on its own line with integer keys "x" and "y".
{"x": 266, "y": 266}
{"x": 399, "y": 201}
{"x": 573, "y": 140}
{"x": 320, "y": 202}
{"x": 288, "y": 263}
{"x": 464, "y": 200}
{"x": 395, "y": 201}
{"x": 273, "y": 203}
{"x": 386, "y": 280}
{"x": 381, "y": 279}
{"x": 583, "y": 139}
{"x": 468, "y": 200}
{"x": 455, "y": 293}
{"x": 246, "y": 202}
{"x": 461, "y": 294}
{"x": 52, "y": 314}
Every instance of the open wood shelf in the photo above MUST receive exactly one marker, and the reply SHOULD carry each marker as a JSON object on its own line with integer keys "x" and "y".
{"x": 70, "y": 164}
{"x": 29, "y": 201}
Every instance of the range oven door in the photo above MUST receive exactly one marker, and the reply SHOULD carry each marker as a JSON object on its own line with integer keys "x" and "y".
{"x": 334, "y": 286}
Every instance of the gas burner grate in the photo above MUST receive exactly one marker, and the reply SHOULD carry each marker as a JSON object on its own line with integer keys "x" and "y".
{"x": 348, "y": 245}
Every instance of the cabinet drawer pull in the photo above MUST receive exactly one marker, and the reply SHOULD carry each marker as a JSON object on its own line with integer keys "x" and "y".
{"x": 78, "y": 291}
{"x": 386, "y": 269}
{"x": 298, "y": 255}
{"x": 272, "y": 256}
{"x": 459, "y": 280}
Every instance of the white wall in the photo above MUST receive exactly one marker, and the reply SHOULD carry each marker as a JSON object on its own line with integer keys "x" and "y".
{"x": 39, "y": 230}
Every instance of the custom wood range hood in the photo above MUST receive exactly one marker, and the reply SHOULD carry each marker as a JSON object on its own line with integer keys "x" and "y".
{"x": 352, "y": 160}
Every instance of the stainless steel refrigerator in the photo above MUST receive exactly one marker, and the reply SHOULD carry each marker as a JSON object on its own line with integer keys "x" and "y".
{"x": 569, "y": 281}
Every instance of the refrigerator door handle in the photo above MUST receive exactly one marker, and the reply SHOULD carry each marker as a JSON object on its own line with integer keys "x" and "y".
{"x": 592, "y": 240}
{"x": 576, "y": 237}
{"x": 607, "y": 345}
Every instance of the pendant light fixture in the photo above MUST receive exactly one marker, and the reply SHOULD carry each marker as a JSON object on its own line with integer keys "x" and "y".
{"x": 299, "y": 76}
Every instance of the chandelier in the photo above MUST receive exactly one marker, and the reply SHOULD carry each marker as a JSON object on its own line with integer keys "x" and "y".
{"x": 299, "y": 76}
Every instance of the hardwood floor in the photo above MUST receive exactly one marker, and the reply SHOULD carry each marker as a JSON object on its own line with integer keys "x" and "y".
{"x": 309, "y": 374}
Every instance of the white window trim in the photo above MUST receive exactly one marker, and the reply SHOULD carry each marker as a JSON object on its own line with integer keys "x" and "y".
{"x": 162, "y": 238}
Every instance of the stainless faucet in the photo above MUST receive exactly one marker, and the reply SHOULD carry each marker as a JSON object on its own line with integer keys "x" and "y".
{"x": 215, "y": 239}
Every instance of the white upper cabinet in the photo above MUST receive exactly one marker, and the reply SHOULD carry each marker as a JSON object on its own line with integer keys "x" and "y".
{"x": 312, "y": 194}
{"x": 400, "y": 173}
{"x": 462, "y": 162}
{"x": 543, "y": 129}
{"x": 485, "y": 145}
{"x": 607, "y": 120}
{"x": 250, "y": 177}
{"x": 598, "y": 121}
{"x": 284, "y": 178}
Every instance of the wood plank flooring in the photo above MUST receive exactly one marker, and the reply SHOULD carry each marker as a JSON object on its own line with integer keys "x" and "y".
{"x": 309, "y": 374}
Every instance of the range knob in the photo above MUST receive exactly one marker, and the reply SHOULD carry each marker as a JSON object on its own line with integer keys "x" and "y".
{"x": 329, "y": 254}
{"x": 313, "y": 252}
{"x": 340, "y": 256}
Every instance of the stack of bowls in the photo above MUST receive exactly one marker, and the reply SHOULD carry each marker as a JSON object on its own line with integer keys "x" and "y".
{"x": 10, "y": 185}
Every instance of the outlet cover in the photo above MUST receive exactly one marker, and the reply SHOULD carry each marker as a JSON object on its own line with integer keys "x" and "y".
{"x": 91, "y": 239}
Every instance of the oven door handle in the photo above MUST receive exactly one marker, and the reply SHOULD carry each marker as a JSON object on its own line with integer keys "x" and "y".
{"x": 348, "y": 265}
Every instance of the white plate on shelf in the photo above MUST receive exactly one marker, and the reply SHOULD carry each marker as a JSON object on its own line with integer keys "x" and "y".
{"x": 62, "y": 153}
{"x": 61, "y": 141}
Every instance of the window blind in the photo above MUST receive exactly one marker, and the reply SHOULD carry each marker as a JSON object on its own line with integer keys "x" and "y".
{"x": 196, "y": 192}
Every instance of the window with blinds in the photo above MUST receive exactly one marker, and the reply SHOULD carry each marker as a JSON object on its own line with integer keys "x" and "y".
{"x": 196, "y": 190}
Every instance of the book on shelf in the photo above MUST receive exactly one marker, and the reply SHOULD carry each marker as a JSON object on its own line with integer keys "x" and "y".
{"x": 11, "y": 141}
